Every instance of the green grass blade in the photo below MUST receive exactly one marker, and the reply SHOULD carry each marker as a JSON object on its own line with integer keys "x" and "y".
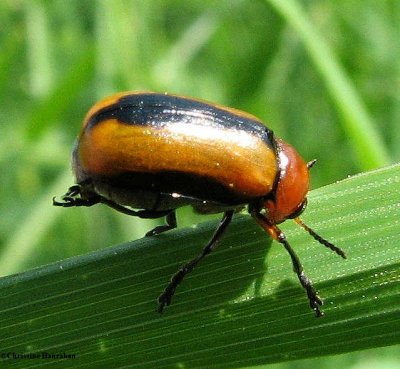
{"x": 357, "y": 123}
{"x": 242, "y": 306}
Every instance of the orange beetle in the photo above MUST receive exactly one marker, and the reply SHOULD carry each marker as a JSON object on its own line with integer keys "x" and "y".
{"x": 158, "y": 152}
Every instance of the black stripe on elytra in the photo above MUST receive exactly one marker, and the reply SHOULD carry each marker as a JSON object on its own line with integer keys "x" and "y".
{"x": 192, "y": 186}
{"x": 157, "y": 110}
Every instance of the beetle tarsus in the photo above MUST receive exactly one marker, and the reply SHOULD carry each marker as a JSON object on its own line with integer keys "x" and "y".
{"x": 170, "y": 219}
{"x": 163, "y": 300}
{"x": 166, "y": 297}
{"x": 315, "y": 300}
{"x": 73, "y": 197}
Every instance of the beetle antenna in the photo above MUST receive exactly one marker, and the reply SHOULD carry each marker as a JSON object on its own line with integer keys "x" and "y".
{"x": 311, "y": 163}
{"x": 321, "y": 240}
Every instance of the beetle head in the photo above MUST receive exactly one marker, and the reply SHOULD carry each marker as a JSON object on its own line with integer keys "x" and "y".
{"x": 292, "y": 186}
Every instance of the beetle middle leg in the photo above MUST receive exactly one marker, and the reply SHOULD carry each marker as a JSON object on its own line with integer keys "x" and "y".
{"x": 170, "y": 219}
{"x": 278, "y": 235}
{"x": 165, "y": 298}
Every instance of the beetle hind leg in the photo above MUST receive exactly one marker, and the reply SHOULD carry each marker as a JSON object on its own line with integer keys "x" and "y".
{"x": 166, "y": 297}
{"x": 73, "y": 197}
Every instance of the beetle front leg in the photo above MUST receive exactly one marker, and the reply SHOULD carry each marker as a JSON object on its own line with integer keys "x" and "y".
{"x": 278, "y": 235}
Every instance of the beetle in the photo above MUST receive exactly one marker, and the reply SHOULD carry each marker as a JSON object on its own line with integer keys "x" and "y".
{"x": 157, "y": 152}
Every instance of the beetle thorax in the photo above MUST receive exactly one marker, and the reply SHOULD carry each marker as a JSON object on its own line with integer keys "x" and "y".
{"x": 292, "y": 185}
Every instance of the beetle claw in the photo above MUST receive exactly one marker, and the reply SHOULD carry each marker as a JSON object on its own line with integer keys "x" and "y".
{"x": 66, "y": 201}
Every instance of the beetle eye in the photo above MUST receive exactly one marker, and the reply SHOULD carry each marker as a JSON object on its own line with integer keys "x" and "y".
{"x": 299, "y": 210}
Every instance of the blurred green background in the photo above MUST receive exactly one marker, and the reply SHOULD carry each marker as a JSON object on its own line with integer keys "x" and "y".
{"x": 335, "y": 98}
